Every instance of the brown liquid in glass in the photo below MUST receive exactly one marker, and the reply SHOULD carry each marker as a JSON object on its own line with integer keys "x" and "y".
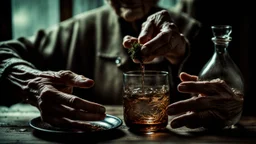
{"x": 146, "y": 112}
{"x": 145, "y": 108}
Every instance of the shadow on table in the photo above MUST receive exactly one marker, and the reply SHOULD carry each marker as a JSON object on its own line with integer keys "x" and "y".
{"x": 80, "y": 137}
{"x": 238, "y": 132}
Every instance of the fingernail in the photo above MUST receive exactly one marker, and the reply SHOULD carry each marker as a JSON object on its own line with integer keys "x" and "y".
{"x": 136, "y": 61}
{"x": 89, "y": 82}
{"x": 102, "y": 110}
{"x": 182, "y": 87}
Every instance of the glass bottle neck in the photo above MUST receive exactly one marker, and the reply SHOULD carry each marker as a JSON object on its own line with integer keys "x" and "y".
{"x": 221, "y": 45}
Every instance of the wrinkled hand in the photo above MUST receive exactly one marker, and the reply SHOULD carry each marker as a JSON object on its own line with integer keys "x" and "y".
{"x": 216, "y": 106}
{"x": 51, "y": 92}
{"x": 159, "y": 37}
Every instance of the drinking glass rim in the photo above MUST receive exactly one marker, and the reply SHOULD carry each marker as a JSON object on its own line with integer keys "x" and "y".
{"x": 147, "y": 73}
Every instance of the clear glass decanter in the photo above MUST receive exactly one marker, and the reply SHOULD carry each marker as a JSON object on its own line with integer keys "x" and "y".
{"x": 221, "y": 64}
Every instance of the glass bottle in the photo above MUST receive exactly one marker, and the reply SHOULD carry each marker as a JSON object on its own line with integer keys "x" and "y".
{"x": 221, "y": 64}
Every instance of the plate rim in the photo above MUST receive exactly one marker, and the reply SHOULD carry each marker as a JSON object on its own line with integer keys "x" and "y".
{"x": 120, "y": 122}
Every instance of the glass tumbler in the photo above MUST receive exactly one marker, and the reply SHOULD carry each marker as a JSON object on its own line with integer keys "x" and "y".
{"x": 145, "y": 100}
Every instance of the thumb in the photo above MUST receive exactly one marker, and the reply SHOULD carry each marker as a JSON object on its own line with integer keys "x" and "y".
{"x": 187, "y": 77}
{"x": 68, "y": 78}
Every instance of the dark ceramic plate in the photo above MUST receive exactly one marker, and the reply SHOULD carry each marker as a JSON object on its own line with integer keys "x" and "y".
{"x": 110, "y": 122}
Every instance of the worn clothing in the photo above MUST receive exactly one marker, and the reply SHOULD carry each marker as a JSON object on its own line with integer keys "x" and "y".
{"x": 89, "y": 44}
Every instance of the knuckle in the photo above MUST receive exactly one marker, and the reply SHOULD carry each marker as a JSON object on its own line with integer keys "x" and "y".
{"x": 164, "y": 12}
{"x": 46, "y": 92}
{"x": 33, "y": 82}
{"x": 65, "y": 73}
{"x": 144, "y": 24}
{"x": 222, "y": 82}
{"x": 219, "y": 82}
{"x": 165, "y": 36}
{"x": 150, "y": 20}
{"x": 155, "y": 17}
{"x": 173, "y": 27}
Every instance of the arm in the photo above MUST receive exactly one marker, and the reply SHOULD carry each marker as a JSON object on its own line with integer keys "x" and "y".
{"x": 43, "y": 51}
{"x": 25, "y": 77}
{"x": 12, "y": 53}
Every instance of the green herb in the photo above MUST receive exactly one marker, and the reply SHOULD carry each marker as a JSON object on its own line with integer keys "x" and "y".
{"x": 135, "y": 51}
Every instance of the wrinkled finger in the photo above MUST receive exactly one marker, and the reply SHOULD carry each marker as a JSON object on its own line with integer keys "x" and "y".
{"x": 190, "y": 120}
{"x": 78, "y": 103}
{"x": 64, "y": 88}
{"x": 48, "y": 74}
{"x": 170, "y": 26}
{"x": 161, "y": 51}
{"x": 68, "y": 78}
{"x": 157, "y": 42}
{"x": 187, "y": 77}
{"x": 147, "y": 31}
{"x": 160, "y": 18}
{"x": 165, "y": 49}
{"x": 193, "y": 104}
{"x": 75, "y": 80}
{"x": 208, "y": 119}
{"x": 214, "y": 87}
{"x": 51, "y": 95}
{"x": 128, "y": 41}
{"x": 71, "y": 124}
{"x": 77, "y": 114}
{"x": 177, "y": 40}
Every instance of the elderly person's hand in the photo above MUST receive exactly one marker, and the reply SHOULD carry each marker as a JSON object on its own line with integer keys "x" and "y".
{"x": 214, "y": 104}
{"x": 159, "y": 37}
{"x": 51, "y": 93}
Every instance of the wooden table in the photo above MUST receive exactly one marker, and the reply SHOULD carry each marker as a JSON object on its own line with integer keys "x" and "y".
{"x": 14, "y": 128}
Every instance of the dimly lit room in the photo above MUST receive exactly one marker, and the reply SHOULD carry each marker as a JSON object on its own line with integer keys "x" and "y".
{"x": 127, "y": 71}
